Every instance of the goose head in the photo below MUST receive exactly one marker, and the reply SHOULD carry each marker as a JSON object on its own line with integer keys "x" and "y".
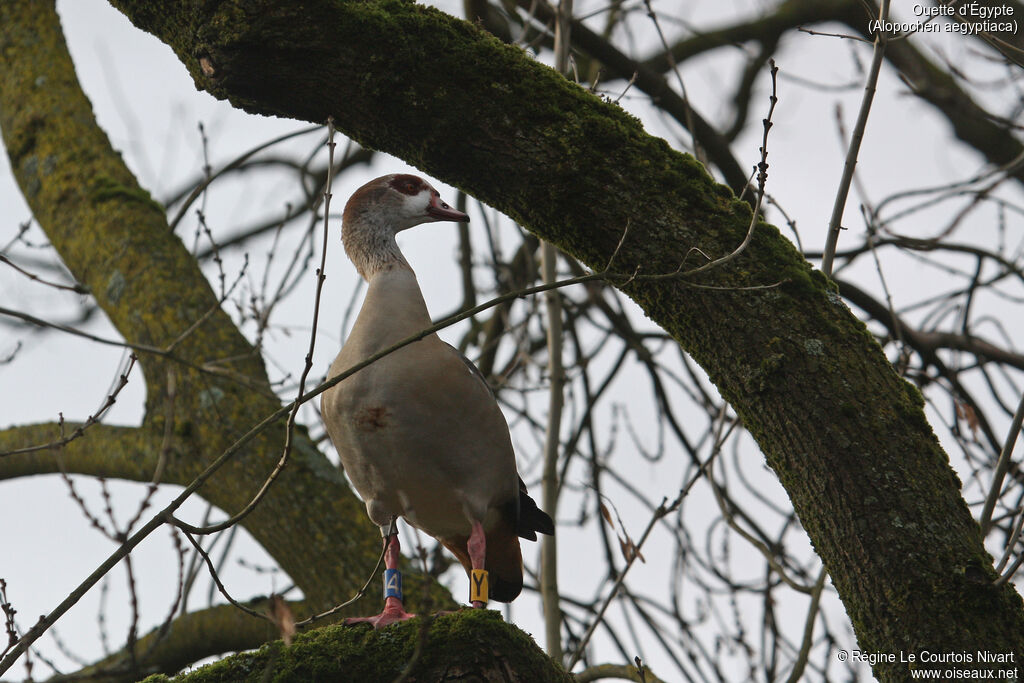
{"x": 381, "y": 209}
{"x": 399, "y": 201}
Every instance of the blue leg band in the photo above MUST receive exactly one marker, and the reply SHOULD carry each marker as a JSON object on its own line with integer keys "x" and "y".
{"x": 392, "y": 584}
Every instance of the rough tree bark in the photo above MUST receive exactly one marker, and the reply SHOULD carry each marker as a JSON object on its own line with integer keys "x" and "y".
{"x": 116, "y": 241}
{"x": 846, "y": 436}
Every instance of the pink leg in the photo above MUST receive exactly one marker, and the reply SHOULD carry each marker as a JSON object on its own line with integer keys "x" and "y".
{"x": 394, "y": 611}
{"x": 477, "y": 547}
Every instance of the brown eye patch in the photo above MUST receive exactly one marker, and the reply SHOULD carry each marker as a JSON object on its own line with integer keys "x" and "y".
{"x": 408, "y": 184}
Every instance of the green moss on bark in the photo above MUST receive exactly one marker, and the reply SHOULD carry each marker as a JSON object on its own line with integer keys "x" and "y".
{"x": 850, "y": 444}
{"x": 115, "y": 239}
{"x": 449, "y": 647}
{"x": 866, "y": 475}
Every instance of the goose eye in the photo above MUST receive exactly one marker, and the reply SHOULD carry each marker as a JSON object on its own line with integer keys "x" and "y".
{"x": 407, "y": 184}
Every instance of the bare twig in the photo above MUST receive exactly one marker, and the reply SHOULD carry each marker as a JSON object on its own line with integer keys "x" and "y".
{"x": 220, "y": 586}
{"x": 362, "y": 591}
{"x": 290, "y": 426}
{"x": 698, "y": 151}
{"x": 1011, "y": 545}
{"x": 95, "y": 418}
{"x": 761, "y": 547}
{"x": 835, "y": 222}
{"x": 77, "y": 288}
{"x": 762, "y": 179}
{"x": 9, "y": 612}
{"x": 625, "y": 672}
{"x": 167, "y": 512}
{"x": 238, "y": 161}
{"x": 556, "y": 398}
{"x": 1002, "y": 466}
{"x": 663, "y": 509}
{"x": 629, "y": 84}
{"x": 812, "y": 616}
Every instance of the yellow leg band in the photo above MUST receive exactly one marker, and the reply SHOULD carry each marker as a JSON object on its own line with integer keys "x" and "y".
{"x": 478, "y": 591}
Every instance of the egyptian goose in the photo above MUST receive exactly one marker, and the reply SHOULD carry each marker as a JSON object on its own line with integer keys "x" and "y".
{"x": 419, "y": 432}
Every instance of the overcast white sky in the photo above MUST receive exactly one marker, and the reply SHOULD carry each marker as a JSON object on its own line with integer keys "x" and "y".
{"x": 146, "y": 102}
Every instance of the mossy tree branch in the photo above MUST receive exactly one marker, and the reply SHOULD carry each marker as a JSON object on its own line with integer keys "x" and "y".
{"x": 116, "y": 241}
{"x": 190, "y": 638}
{"x": 466, "y": 645}
{"x": 972, "y": 124}
{"x": 128, "y": 453}
{"x": 846, "y": 436}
